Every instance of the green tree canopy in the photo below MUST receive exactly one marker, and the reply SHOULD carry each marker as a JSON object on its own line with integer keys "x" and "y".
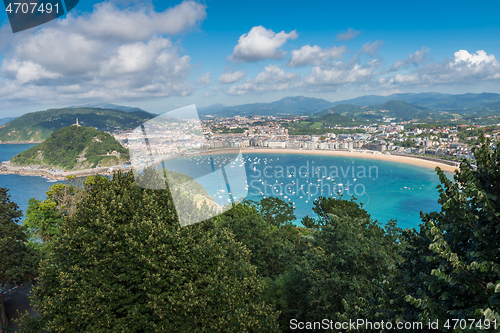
{"x": 275, "y": 211}
{"x": 18, "y": 262}
{"x": 335, "y": 264}
{"x": 123, "y": 263}
{"x": 456, "y": 251}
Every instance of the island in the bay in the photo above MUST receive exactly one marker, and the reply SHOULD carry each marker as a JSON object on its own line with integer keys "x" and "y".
{"x": 73, "y": 150}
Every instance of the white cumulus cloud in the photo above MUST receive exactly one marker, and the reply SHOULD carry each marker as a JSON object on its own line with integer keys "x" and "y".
{"x": 261, "y": 43}
{"x": 462, "y": 67}
{"x": 349, "y": 34}
{"x": 231, "y": 77}
{"x": 323, "y": 78}
{"x": 109, "y": 54}
{"x": 371, "y": 48}
{"x": 314, "y": 55}
{"x": 139, "y": 22}
{"x": 416, "y": 58}
{"x": 272, "y": 78}
{"x": 204, "y": 79}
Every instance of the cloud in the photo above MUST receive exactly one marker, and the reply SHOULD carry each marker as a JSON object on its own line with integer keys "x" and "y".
{"x": 204, "y": 79}
{"x": 228, "y": 78}
{"x": 323, "y": 78}
{"x": 272, "y": 78}
{"x": 462, "y": 57}
{"x": 140, "y": 22}
{"x": 416, "y": 58}
{"x": 108, "y": 54}
{"x": 314, "y": 55}
{"x": 393, "y": 91}
{"x": 261, "y": 43}
{"x": 27, "y": 71}
{"x": 462, "y": 67}
{"x": 371, "y": 48}
{"x": 349, "y": 34}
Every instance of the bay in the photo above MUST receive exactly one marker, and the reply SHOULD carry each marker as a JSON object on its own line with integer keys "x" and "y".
{"x": 22, "y": 188}
{"x": 387, "y": 190}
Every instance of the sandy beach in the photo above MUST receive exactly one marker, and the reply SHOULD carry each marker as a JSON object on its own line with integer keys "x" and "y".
{"x": 361, "y": 154}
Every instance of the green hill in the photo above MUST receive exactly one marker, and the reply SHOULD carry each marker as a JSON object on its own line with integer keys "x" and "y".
{"x": 74, "y": 148}
{"x": 331, "y": 120}
{"x": 287, "y": 105}
{"x": 392, "y": 109}
{"x": 322, "y": 124}
{"x": 37, "y": 126}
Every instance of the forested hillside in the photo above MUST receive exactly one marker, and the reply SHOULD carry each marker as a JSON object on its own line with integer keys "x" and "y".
{"x": 75, "y": 148}
{"x": 37, "y": 126}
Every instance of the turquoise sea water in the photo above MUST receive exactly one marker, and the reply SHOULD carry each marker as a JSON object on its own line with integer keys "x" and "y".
{"x": 22, "y": 188}
{"x": 387, "y": 190}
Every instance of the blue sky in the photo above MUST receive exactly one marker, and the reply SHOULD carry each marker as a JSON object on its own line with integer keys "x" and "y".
{"x": 161, "y": 55}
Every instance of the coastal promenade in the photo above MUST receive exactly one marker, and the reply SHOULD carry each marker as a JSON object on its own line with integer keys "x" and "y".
{"x": 8, "y": 168}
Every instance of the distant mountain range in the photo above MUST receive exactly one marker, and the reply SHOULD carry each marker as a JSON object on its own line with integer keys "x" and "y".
{"x": 435, "y": 101}
{"x": 399, "y": 110}
{"x": 287, "y": 105}
{"x": 37, "y": 126}
{"x": 423, "y": 102}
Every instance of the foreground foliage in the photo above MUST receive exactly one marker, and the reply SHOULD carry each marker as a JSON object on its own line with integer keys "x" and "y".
{"x": 18, "y": 262}
{"x": 123, "y": 263}
{"x": 456, "y": 251}
{"x": 119, "y": 261}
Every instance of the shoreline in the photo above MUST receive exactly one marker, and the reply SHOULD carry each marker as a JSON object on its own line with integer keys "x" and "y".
{"x": 406, "y": 159}
{"x": 6, "y": 168}
{"x": 19, "y": 142}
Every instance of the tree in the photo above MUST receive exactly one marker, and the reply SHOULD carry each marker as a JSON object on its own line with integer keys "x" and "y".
{"x": 336, "y": 264}
{"x": 43, "y": 218}
{"x": 457, "y": 249}
{"x": 18, "y": 262}
{"x": 122, "y": 263}
{"x": 275, "y": 211}
{"x": 269, "y": 241}
{"x": 344, "y": 209}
